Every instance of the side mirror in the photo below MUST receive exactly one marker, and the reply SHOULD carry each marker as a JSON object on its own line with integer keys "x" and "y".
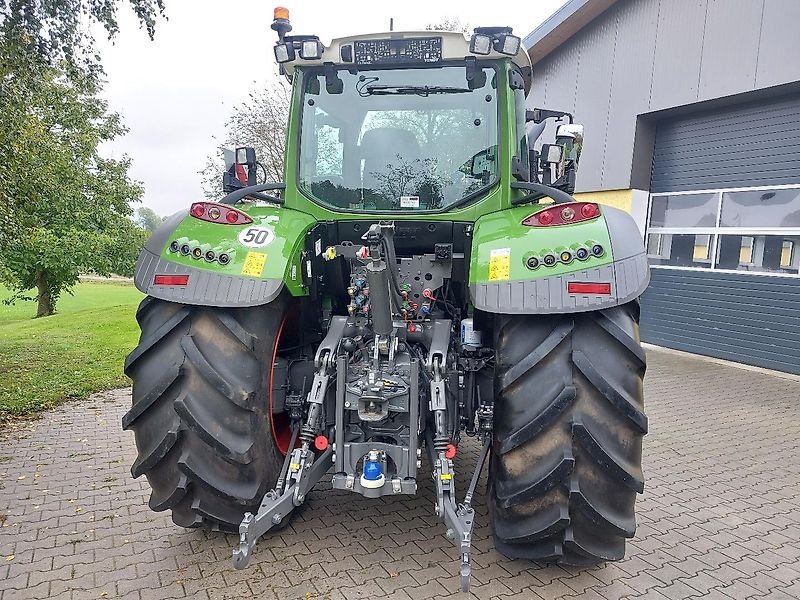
{"x": 571, "y": 138}
{"x": 240, "y": 168}
{"x": 552, "y": 153}
{"x": 246, "y": 165}
{"x": 481, "y": 164}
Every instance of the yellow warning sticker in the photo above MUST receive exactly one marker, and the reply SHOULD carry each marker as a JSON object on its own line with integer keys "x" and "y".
{"x": 254, "y": 264}
{"x": 500, "y": 264}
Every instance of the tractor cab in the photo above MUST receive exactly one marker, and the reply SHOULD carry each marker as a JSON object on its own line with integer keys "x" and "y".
{"x": 413, "y": 122}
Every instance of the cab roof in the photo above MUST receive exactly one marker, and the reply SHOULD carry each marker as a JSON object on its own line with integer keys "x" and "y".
{"x": 455, "y": 46}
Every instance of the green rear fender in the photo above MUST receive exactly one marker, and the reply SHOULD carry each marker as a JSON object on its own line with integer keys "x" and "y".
{"x": 263, "y": 257}
{"x": 509, "y": 271}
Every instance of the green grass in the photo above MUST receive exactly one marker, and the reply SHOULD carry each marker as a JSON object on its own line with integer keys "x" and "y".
{"x": 77, "y": 351}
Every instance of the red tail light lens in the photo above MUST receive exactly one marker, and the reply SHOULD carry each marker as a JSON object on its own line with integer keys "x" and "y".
{"x": 218, "y": 213}
{"x": 584, "y": 287}
{"x": 575, "y": 212}
{"x": 171, "y": 280}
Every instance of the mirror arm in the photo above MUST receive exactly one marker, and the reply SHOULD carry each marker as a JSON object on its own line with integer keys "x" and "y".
{"x": 537, "y": 115}
{"x": 252, "y": 190}
{"x": 538, "y": 190}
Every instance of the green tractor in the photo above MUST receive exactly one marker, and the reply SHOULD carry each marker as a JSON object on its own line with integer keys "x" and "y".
{"x": 421, "y": 274}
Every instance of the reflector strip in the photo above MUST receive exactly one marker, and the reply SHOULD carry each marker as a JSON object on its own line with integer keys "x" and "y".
{"x": 581, "y": 287}
{"x": 171, "y": 280}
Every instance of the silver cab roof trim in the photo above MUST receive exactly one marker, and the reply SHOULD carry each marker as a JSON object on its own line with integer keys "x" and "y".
{"x": 455, "y": 46}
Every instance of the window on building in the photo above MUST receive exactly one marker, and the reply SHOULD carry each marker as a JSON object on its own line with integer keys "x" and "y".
{"x": 754, "y": 230}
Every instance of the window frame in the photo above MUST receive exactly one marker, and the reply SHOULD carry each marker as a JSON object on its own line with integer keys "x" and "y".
{"x": 717, "y": 230}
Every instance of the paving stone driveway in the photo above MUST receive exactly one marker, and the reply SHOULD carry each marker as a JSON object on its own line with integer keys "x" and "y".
{"x": 720, "y": 517}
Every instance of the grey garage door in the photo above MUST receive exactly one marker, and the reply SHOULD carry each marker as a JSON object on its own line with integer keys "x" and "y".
{"x": 724, "y": 235}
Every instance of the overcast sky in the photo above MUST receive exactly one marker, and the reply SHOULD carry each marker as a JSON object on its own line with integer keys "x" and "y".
{"x": 176, "y": 92}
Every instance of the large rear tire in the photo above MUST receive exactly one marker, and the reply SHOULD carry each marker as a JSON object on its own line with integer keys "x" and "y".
{"x": 201, "y": 409}
{"x": 568, "y": 426}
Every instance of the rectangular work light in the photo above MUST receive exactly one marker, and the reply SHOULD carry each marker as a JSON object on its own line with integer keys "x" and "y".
{"x": 507, "y": 44}
{"x": 480, "y": 44}
{"x": 284, "y": 52}
{"x": 310, "y": 50}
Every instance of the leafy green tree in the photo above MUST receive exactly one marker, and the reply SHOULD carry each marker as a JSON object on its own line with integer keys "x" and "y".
{"x": 148, "y": 219}
{"x": 63, "y": 207}
{"x": 70, "y": 206}
{"x": 52, "y": 31}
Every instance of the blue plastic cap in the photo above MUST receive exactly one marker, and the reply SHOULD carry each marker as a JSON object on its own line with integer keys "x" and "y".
{"x": 372, "y": 470}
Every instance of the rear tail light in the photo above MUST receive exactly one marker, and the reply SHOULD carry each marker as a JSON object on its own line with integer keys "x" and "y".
{"x": 583, "y": 287}
{"x": 171, "y": 280}
{"x": 575, "y": 212}
{"x": 218, "y": 213}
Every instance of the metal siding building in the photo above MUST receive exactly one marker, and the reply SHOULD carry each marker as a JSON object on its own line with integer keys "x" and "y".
{"x": 691, "y": 114}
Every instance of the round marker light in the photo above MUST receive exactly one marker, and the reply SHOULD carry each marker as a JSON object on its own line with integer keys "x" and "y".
{"x": 545, "y": 218}
{"x": 582, "y": 253}
{"x": 224, "y": 259}
{"x": 185, "y": 249}
{"x": 198, "y": 210}
{"x": 213, "y": 212}
{"x": 566, "y": 257}
{"x": 532, "y": 263}
{"x": 568, "y": 213}
{"x": 589, "y": 211}
{"x": 197, "y": 253}
{"x": 174, "y": 246}
{"x": 210, "y": 256}
{"x": 598, "y": 250}
{"x": 549, "y": 259}
{"x": 232, "y": 216}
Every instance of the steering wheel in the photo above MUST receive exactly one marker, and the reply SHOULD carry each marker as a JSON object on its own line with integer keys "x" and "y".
{"x": 538, "y": 190}
{"x": 253, "y": 190}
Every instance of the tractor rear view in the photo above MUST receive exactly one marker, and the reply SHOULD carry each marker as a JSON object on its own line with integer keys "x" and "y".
{"x": 421, "y": 275}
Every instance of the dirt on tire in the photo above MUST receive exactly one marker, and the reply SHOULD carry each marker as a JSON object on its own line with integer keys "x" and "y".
{"x": 568, "y": 427}
{"x": 200, "y": 411}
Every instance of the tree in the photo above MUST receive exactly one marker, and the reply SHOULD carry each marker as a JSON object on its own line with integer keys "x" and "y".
{"x": 63, "y": 208}
{"x": 70, "y": 207}
{"x": 54, "y": 31}
{"x": 260, "y": 122}
{"x": 148, "y": 219}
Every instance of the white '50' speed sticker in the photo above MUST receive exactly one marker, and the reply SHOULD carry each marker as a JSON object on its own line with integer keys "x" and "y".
{"x": 256, "y": 236}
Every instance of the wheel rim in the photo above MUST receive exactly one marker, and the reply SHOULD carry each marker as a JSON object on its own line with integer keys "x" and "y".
{"x": 279, "y": 423}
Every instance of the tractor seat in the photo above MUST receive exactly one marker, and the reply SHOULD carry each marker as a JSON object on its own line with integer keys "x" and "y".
{"x": 381, "y": 147}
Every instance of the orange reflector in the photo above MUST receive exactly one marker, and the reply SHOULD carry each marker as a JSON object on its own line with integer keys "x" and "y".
{"x": 581, "y": 287}
{"x": 171, "y": 280}
{"x": 281, "y": 13}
